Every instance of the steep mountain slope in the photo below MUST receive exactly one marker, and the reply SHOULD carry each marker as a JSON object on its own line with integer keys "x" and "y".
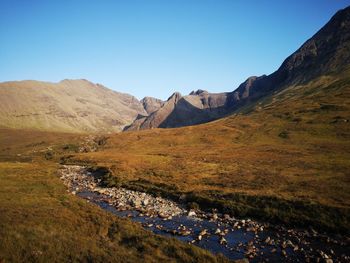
{"x": 178, "y": 110}
{"x": 328, "y": 51}
{"x": 70, "y": 105}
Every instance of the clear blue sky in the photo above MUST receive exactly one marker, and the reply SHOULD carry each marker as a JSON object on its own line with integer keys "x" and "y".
{"x": 154, "y": 47}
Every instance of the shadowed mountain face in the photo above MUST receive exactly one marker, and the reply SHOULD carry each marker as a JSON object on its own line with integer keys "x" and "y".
{"x": 178, "y": 110}
{"x": 327, "y": 52}
{"x": 70, "y": 105}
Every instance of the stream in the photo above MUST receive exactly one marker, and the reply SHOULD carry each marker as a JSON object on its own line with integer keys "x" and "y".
{"x": 218, "y": 233}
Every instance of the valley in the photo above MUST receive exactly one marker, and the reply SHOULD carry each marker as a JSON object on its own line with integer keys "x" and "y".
{"x": 255, "y": 164}
{"x": 40, "y": 220}
{"x": 256, "y": 174}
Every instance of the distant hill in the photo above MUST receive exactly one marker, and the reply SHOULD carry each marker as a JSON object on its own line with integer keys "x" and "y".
{"x": 327, "y": 52}
{"x": 70, "y": 105}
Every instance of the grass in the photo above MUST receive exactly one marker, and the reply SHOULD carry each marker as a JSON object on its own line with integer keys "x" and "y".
{"x": 286, "y": 160}
{"x": 41, "y": 222}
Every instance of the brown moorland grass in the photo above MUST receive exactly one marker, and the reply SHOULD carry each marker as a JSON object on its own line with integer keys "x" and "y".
{"x": 285, "y": 158}
{"x": 41, "y": 222}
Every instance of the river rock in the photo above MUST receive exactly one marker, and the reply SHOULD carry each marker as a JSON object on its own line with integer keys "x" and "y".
{"x": 185, "y": 232}
{"x": 203, "y": 232}
{"x": 223, "y": 241}
{"x": 191, "y": 213}
{"x": 217, "y": 231}
{"x": 77, "y": 178}
{"x": 145, "y": 202}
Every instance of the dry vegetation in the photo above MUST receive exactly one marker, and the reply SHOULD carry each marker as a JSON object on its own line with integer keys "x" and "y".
{"x": 67, "y": 106}
{"x": 41, "y": 222}
{"x": 286, "y": 159}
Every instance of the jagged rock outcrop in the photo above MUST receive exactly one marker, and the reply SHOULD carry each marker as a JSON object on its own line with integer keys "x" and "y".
{"x": 198, "y": 92}
{"x": 156, "y": 118}
{"x": 243, "y": 91}
{"x": 198, "y": 107}
{"x": 151, "y": 104}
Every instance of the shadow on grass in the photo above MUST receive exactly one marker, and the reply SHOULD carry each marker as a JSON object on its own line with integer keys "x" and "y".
{"x": 271, "y": 209}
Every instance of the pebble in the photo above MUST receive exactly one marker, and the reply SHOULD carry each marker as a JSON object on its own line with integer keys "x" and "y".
{"x": 191, "y": 213}
{"x": 223, "y": 241}
{"x": 217, "y": 231}
{"x": 77, "y": 178}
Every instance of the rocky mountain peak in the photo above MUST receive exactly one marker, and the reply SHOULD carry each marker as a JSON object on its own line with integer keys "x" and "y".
{"x": 243, "y": 90}
{"x": 175, "y": 97}
{"x": 198, "y": 92}
{"x": 325, "y": 53}
{"x": 151, "y": 104}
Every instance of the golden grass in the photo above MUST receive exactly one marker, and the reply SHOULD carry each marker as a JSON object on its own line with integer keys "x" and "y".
{"x": 293, "y": 146}
{"x": 41, "y": 222}
{"x": 285, "y": 158}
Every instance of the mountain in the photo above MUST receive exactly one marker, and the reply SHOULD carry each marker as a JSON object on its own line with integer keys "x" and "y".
{"x": 282, "y": 155}
{"x": 70, "y": 105}
{"x": 285, "y": 159}
{"x": 151, "y": 104}
{"x": 328, "y": 51}
{"x": 81, "y": 106}
{"x": 197, "y": 107}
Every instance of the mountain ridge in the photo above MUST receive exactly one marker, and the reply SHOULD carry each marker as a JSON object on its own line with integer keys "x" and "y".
{"x": 83, "y": 106}
{"x": 68, "y": 105}
{"x": 326, "y": 51}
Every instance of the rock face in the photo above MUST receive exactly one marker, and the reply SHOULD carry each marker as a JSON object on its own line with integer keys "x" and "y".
{"x": 70, "y": 105}
{"x": 156, "y": 117}
{"x": 151, "y": 104}
{"x": 198, "y": 107}
{"x": 326, "y": 52}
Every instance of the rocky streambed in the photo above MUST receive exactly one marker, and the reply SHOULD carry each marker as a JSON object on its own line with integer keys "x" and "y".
{"x": 218, "y": 233}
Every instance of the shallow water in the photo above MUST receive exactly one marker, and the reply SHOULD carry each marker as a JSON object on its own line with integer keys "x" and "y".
{"x": 210, "y": 243}
{"x": 260, "y": 242}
